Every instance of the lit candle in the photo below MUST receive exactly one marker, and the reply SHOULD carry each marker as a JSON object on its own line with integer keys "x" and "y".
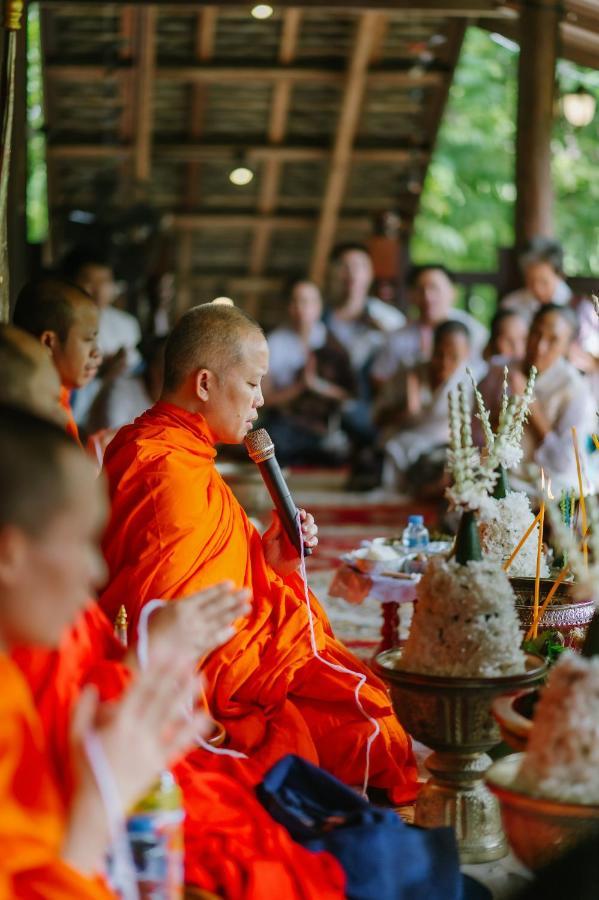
{"x": 539, "y": 555}
{"x": 583, "y": 509}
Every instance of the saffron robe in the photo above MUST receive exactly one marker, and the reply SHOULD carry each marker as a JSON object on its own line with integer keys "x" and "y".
{"x": 232, "y": 846}
{"x": 32, "y": 814}
{"x": 71, "y": 424}
{"x": 176, "y": 527}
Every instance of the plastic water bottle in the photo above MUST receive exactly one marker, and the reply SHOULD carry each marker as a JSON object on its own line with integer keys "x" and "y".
{"x": 155, "y": 830}
{"x": 415, "y": 536}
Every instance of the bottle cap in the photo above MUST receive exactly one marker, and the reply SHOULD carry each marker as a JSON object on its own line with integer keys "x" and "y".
{"x": 415, "y": 520}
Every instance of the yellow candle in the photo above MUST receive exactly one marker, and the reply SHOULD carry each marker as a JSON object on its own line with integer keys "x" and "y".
{"x": 583, "y": 509}
{"x": 538, "y": 572}
{"x": 521, "y": 543}
{"x": 547, "y": 601}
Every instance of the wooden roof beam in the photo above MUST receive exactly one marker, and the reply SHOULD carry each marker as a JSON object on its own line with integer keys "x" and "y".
{"x": 277, "y": 126}
{"x": 206, "y": 21}
{"x": 227, "y": 152}
{"x": 211, "y": 74}
{"x": 146, "y": 63}
{"x": 198, "y": 221}
{"x": 368, "y": 28}
{"x": 399, "y": 7}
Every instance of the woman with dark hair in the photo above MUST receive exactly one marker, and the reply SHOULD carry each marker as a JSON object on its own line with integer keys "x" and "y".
{"x": 562, "y": 400}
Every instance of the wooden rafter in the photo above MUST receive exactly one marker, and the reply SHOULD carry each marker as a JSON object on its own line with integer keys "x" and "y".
{"x": 421, "y": 8}
{"x": 244, "y": 74}
{"x": 367, "y": 30}
{"x": 146, "y": 65}
{"x": 198, "y": 221}
{"x": 271, "y": 169}
{"x": 204, "y": 49}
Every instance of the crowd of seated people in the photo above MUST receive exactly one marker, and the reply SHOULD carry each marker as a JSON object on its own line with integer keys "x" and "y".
{"x": 353, "y": 380}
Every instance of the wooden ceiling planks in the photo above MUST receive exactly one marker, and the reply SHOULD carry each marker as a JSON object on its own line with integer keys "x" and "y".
{"x": 335, "y": 110}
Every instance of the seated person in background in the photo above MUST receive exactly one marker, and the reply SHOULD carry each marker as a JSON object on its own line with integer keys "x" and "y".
{"x": 541, "y": 263}
{"x": 434, "y": 292}
{"x": 561, "y": 400}
{"x": 509, "y": 331}
{"x": 412, "y": 411}
{"x": 309, "y": 378}
{"x": 119, "y": 333}
{"x": 65, "y": 320}
{"x": 360, "y": 323}
{"x": 52, "y": 508}
{"x": 124, "y": 398}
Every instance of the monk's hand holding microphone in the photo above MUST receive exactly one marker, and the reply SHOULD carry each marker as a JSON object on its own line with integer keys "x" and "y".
{"x": 287, "y": 537}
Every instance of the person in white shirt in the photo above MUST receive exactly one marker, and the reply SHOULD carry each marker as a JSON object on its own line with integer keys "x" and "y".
{"x": 119, "y": 333}
{"x": 435, "y": 294}
{"x": 541, "y": 263}
{"x": 309, "y": 380}
{"x": 412, "y": 411}
{"x": 562, "y": 400}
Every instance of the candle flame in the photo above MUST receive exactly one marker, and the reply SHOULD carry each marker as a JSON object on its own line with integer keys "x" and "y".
{"x": 542, "y": 480}
{"x": 549, "y": 494}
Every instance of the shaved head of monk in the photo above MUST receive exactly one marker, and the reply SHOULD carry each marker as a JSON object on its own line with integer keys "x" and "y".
{"x": 65, "y": 320}
{"x": 215, "y": 360}
{"x": 28, "y": 377}
{"x": 52, "y": 508}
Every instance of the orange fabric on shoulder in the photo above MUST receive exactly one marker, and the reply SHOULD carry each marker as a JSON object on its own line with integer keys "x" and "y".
{"x": 176, "y": 527}
{"x": 32, "y": 816}
{"x": 71, "y": 426}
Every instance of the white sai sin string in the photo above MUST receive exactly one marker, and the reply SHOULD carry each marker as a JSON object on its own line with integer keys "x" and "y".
{"x": 143, "y": 656}
{"x": 359, "y": 676}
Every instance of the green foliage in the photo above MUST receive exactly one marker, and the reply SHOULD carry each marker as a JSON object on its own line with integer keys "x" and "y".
{"x": 37, "y": 191}
{"x": 467, "y": 204}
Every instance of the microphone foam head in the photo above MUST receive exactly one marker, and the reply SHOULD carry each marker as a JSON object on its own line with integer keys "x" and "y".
{"x": 259, "y": 445}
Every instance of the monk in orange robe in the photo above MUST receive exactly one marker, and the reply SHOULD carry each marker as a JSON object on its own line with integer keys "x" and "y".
{"x": 233, "y": 847}
{"x": 49, "y": 517}
{"x": 65, "y": 321}
{"x": 176, "y": 527}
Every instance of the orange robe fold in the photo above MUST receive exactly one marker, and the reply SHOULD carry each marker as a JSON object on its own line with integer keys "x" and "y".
{"x": 32, "y": 815}
{"x": 176, "y": 528}
{"x": 71, "y": 424}
{"x": 232, "y": 846}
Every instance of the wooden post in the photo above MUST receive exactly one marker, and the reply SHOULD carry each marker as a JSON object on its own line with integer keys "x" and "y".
{"x": 539, "y": 21}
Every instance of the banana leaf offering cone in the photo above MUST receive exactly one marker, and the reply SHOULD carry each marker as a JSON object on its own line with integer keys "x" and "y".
{"x": 467, "y": 542}
{"x": 502, "y": 487}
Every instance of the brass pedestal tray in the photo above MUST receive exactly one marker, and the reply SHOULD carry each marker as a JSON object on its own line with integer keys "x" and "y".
{"x": 453, "y": 717}
{"x": 566, "y": 614}
{"x": 538, "y": 829}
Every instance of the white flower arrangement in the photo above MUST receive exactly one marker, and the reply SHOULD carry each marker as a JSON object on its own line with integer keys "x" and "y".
{"x": 473, "y": 480}
{"x": 586, "y": 576}
{"x": 504, "y": 448}
{"x": 474, "y": 473}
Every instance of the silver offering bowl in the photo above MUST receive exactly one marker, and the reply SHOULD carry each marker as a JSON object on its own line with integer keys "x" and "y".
{"x": 566, "y": 614}
{"x": 453, "y": 717}
{"x": 539, "y": 830}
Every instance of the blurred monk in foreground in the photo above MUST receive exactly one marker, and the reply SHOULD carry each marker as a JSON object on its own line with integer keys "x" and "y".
{"x": 176, "y": 527}
{"x": 51, "y": 510}
{"x": 232, "y": 845}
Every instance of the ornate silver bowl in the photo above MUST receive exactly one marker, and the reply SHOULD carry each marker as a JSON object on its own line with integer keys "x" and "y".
{"x": 538, "y": 829}
{"x": 453, "y": 717}
{"x": 566, "y": 614}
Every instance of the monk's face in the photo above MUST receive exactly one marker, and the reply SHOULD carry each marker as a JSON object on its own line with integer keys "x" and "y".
{"x": 50, "y": 576}
{"x": 234, "y": 395}
{"x": 77, "y": 358}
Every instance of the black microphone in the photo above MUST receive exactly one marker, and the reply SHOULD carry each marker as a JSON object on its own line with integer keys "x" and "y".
{"x": 261, "y": 450}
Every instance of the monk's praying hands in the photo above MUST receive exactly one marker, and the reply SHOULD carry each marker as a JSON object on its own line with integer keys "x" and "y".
{"x": 198, "y": 623}
{"x": 280, "y": 553}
